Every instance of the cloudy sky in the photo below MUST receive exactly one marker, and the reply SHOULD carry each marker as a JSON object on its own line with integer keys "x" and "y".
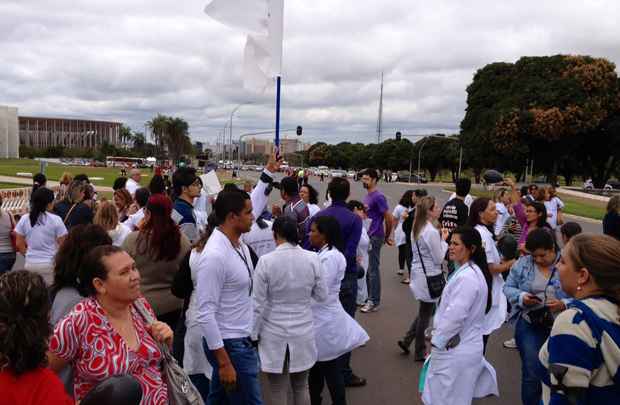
{"x": 127, "y": 60}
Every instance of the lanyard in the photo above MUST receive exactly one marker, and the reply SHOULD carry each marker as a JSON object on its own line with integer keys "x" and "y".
{"x": 245, "y": 261}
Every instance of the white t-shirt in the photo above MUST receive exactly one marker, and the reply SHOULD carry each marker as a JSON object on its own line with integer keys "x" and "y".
{"x": 502, "y": 217}
{"x": 553, "y": 206}
{"x": 497, "y": 314}
{"x": 468, "y": 199}
{"x": 42, "y": 238}
{"x": 399, "y": 235}
{"x": 132, "y": 186}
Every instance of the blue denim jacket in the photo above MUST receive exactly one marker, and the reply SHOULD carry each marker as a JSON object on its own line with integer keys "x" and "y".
{"x": 519, "y": 282}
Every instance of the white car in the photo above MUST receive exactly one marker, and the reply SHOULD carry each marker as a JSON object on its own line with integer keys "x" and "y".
{"x": 351, "y": 174}
{"x": 338, "y": 173}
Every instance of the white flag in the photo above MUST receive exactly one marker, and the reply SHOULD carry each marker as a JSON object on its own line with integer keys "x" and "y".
{"x": 263, "y": 21}
{"x": 248, "y": 15}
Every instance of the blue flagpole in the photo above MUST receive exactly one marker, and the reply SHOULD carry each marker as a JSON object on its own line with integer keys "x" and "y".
{"x": 277, "y": 139}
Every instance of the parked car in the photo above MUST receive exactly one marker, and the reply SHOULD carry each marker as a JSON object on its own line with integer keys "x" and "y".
{"x": 403, "y": 176}
{"x": 259, "y": 168}
{"x": 337, "y": 173}
{"x": 351, "y": 174}
{"x": 609, "y": 185}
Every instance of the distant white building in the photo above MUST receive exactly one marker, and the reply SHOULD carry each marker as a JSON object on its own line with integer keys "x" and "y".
{"x": 9, "y": 132}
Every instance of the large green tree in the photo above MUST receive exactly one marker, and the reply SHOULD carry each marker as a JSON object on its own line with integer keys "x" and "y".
{"x": 545, "y": 109}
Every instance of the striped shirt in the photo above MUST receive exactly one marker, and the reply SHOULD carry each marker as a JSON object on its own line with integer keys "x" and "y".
{"x": 584, "y": 346}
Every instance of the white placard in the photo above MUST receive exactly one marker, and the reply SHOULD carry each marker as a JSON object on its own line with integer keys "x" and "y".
{"x": 210, "y": 183}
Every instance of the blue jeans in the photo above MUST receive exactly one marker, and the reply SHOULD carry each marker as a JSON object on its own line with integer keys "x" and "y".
{"x": 245, "y": 361}
{"x": 529, "y": 340}
{"x": 7, "y": 260}
{"x": 374, "y": 277}
{"x": 202, "y": 385}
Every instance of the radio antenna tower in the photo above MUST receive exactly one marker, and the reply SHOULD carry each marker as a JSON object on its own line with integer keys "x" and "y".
{"x": 380, "y": 118}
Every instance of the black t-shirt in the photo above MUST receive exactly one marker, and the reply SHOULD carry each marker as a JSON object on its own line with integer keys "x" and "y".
{"x": 454, "y": 214}
{"x": 81, "y": 214}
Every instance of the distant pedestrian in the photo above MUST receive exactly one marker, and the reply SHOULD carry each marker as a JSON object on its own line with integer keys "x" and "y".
{"x": 611, "y": 221}
{"x": 568, "y": 231}
{"x": 399, "y": 215}
{"x": 133, "y": 183}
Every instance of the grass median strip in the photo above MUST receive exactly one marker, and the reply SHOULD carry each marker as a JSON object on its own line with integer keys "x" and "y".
{"x": 581, "y": 207}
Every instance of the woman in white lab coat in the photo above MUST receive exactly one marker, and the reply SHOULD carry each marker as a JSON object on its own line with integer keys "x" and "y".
{"x": 429, "y": 249}
{"x": 285, "y": 283}
{"x": 457, "y": 371}
{"x": 336, "y": 332}
{"x": 482, "y": 217}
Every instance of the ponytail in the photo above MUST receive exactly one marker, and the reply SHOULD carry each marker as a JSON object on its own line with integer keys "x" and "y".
{"x": 472, "y": 240}
{"x": 41, "y": 198}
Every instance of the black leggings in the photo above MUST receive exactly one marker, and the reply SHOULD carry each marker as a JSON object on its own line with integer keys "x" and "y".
{"x": 404, "y": 257}
{"x": 329, "y": 372}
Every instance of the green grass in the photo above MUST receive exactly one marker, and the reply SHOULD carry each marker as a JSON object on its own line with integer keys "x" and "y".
{"x": 10, "y": 167}
{"x": 11, "y": 185}
{"x": 581, "y": 207}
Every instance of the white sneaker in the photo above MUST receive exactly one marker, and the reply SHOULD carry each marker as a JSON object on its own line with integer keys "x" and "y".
{"x": 400, "y": 272}
{"x": 510, "y": 344}
{"x": 369, "y": 307}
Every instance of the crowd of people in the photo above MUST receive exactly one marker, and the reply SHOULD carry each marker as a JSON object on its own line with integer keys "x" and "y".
{"x": 233, "y": 288}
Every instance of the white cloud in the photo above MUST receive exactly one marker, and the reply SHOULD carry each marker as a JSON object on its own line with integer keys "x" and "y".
{"x": 128, "y": 60}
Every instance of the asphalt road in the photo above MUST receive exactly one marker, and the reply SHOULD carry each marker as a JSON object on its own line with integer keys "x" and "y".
{"x": 393, "y": 377}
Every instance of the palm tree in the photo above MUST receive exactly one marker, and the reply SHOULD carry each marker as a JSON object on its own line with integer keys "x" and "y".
{"x": 159, "y": 128}
{"x": 177, "y": 138}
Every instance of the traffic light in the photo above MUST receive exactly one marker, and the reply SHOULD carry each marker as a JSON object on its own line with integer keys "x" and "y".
{"x": 299, "y": 130}
{"x": 398, "y": 136}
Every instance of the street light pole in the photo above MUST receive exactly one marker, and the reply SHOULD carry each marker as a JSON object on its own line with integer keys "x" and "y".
{"x": 232, "y": 156}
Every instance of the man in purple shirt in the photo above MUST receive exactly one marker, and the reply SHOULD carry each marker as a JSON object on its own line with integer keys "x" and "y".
{"x": 351, "y": 229}
{"x": 378, "y": 211}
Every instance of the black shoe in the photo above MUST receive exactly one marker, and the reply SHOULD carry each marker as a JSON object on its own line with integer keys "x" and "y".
{"x": 403, "y": 347}
{"x": 355, "y": 381}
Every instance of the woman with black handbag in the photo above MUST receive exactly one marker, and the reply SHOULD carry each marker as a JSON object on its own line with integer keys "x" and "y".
{"x": 536, "y": 297}
{"x": 429, "y": 249}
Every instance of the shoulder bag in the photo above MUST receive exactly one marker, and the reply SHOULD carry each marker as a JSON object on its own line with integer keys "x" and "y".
{"x": 181, "y": 391}
{"x": 435, "y": 283}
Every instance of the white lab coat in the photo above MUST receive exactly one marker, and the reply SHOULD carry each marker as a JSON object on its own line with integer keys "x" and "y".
{"x": 457, "y": 375}
{"x": 285, "y": 282}
{"x": 433, "y": 250}
{"x": 499, "y": 310}
{"x": 260, "y": 240}
{"x": 362, "y": 252}
{"x": 194, "y": 358}
{"x": 336, "y": 332}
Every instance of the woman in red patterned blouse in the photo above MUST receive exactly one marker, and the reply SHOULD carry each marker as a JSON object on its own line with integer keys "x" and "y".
{"x": 105, "y": 335}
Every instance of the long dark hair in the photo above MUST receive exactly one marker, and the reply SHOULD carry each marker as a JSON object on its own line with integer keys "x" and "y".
{"x": 329, "y": 227}
{"x": 478, "y": 207}
{"x": 405, "y": 200}
{"x": 541, "y": 210}
{"x": 472, "y": 240}
{"x": 24, "y": 321}
{"x": 157, "y": 185}
{"x": 70, "y": 257}
{"x": 160, "y": 236}
{"x": 41, "y": 198}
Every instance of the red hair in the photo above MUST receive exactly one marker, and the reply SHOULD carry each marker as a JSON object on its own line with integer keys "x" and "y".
{"x": 160, "y": 236}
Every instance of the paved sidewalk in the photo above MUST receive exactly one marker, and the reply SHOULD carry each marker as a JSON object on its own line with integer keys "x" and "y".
{"x": 28, "y": 182}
